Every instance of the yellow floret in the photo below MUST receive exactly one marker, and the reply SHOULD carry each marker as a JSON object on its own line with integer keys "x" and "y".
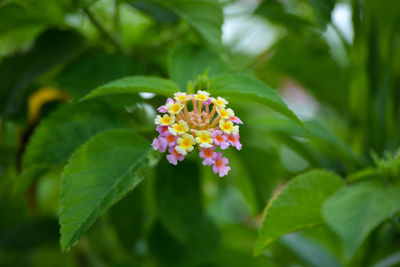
{"x": 204, "y": 139}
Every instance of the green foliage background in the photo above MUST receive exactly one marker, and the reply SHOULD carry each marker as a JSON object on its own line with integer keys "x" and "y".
{"x": 81, "y": 186}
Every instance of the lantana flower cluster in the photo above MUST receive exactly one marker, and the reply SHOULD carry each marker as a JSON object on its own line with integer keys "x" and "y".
{"x": 197, "y": 120}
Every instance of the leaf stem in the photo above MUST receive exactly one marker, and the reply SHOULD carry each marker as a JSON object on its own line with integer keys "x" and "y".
{"x": 116, "y": 18}
{"x": 104, "y": 32}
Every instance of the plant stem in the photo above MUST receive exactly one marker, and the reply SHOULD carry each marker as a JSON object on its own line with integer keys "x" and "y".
{"x": 103, "y": 31}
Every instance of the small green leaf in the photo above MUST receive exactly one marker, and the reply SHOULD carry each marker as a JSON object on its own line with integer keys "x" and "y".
{"x": 248, "y": 87}
{"x": 205, "y": 16}
{"x": 297, "y": 206}
{"x": 353, "y": 212}
{"x": 98, "y": 175}
{"x": 135, "y": 85}
{"x": 364, "y": 174}
{"x": 60, "y": 134}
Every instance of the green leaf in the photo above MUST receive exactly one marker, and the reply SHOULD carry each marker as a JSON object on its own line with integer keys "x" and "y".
{"x": 95, "y": 68}
{"x": 367, "y": 173}
{"x": 30, "y": 235}
{"x": 178, "y": 197}
{"x": 265, "y": 179}
{"x": 97, "y": 176}
{"x": 309, "y": 251}
{"x": 275, "y": 11}
{"x": 248, "y": 87}
{"x": 353, "y": 212}
{"x": 323, "y": 9}
{"x": 52, "y": 48}
{"x": 327, "y": 145}
{"x": 310, "y": 62}
{"x": 157, "y": 12}
{"x": 135, "y": 85}
{"x": 57, "y": 137}
{"x": 130, "y": 217}
{"x": 183, "y": 70}
{"x": 297, "y": 206}
{"x": 179, "y": 206}
{"x": 205, "y": 16}
{"x": 15, "y": 16}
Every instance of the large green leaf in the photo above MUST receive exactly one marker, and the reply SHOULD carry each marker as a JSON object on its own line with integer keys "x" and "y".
{"x": 135, "y": 85}
{"x": 297, "y": 206}
{"x": 248, "y": 87}
{"x": 205, "y": 16}
{"x": 61, "y": 133}
{"x": 98, "y": 175}
{"x": 353, "y": 212}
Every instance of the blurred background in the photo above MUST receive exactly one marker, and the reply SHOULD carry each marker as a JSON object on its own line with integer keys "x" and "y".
{"x": 336, "y": 63}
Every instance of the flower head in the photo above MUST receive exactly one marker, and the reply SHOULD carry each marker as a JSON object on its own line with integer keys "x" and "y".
{"x": 201, "y": 121}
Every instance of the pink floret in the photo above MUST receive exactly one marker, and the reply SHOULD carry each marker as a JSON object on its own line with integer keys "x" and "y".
{"x": 234, "y": 141}
{"x": 220, "y": 165}
{"x": 171, "y": 139}
{"x": 208, "y": 155}
{"x": 162, "y": 129}
{"x": 163, "y": 108}
{"x": 236, "y": 120}
{"x": 174, "y": 156}
{"x": 160, "y": 144}
{"x": 220, "y": 139}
